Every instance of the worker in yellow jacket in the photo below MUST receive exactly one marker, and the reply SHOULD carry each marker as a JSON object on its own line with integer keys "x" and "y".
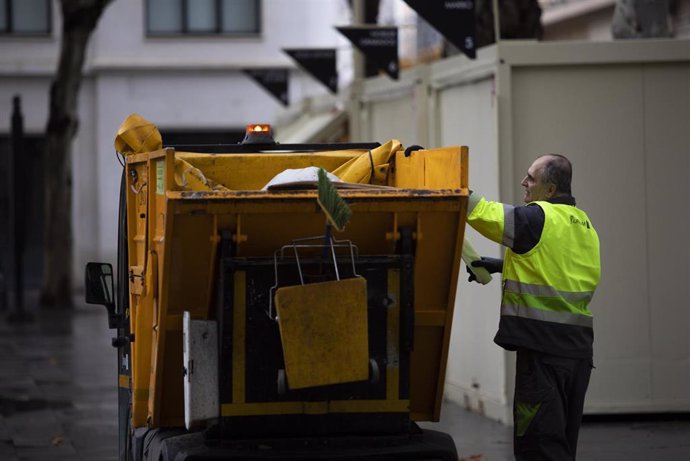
{"x": 550, "y": 272}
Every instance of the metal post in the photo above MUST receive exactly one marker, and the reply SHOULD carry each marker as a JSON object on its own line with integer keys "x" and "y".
{"x": 358, "y": 14}
{"x": 15, "y": 170}
{"x": 497, "y": 22}
{"x": 356, "y": 87}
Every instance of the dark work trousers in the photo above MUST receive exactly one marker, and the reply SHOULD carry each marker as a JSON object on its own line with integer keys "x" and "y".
{"x": 547, "y": 408}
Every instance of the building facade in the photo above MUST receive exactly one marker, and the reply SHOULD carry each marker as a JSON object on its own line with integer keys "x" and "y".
{"x": 177, "y": 63}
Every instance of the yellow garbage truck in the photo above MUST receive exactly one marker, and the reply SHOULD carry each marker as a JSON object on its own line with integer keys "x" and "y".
{"x": 251, "y": 324}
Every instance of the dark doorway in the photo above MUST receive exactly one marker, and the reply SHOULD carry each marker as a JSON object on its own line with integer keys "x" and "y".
{"x": 29, "y": 209}
{"x": 181, "y": 137}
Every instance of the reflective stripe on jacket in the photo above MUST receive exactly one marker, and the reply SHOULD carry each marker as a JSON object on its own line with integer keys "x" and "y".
{"x": 547, "y": 290}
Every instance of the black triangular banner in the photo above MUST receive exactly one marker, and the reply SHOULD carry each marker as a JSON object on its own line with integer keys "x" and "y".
{"x": 378, "y": 43}
{"x": 319, "y": 62}
{"x": 454, "y": 19}
{"x": 273, "y": 79}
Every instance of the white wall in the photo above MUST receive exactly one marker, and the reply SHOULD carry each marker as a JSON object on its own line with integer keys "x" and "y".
{"x": 121, "y": 34}
{"x": 667, "y": 144}
{"x": 465, "y": 112}
{"x": 396, "y": 109}
{"x": 621, "y": 112}
{"x": 450, "y": 103}
{"x": 628, "y": 142}
{"x": 87, "y": 190}
{"x": 26, "y": 56}
{"x": 120, "y": 41}
{"x": 476, "y": 368}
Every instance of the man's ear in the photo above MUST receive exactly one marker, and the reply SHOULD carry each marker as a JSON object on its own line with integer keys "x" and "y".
{"x": 551, "y": 190}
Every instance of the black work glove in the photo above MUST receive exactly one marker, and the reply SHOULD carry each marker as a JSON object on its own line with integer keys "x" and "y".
{"x": 492, "y": 265}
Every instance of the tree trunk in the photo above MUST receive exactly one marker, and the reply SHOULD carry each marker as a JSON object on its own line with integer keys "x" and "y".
{"x": 519, "y": 19}
{"x": 79, "y": 20}
{"x": 642, "y": 19}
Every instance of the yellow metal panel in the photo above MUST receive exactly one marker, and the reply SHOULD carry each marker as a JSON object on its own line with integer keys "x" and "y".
{"x": 258, "y": 169}
{"x": 156, "y": 363}
{"x": 190, "y": 246}
{"x": 453, "y": 276}
{"x": 141, "y": 395}
{"x": 436, "y": 253}
{"x": 269, "y": 220}
{"x": 323, "y": 329}
{"x": 315, "y": 408}
{"x": 171, "y": 407}
{"x": 369, "y": 406}
{"x": 137, "y": 214}
{"x": 267, "y": 408}
{"x": 188, "y": 177}
{"x": 430, "y": 169}
{"x": 464, "y": 162}
{"x": 442, "y": 168}
{"x": 430, "y": 318}
{"x": 332, "y": 406}
{"x": 141, "y": 348}
{"x": 238, "y": 337}
{"x": 163, "y": 355}
{"x": 174, "y": 322}
{"x": 424, "y": 365}
{"x": 409, "y": 171}
{"x": 136, "y": 280}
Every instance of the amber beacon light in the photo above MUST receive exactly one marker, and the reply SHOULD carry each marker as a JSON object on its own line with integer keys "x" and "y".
{"x": 258, "y": 133}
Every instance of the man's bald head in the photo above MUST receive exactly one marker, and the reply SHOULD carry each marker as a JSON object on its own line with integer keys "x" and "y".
{"x": 558, "y": 171}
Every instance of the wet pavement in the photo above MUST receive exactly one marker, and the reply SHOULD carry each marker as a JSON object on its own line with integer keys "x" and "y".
{"x": 58, "y": 401}
{"x": 664, "y": 438}
{"x": 58, "y": 390}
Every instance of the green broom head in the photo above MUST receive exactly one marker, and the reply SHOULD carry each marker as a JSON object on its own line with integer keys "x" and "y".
{"x": 337, "y": 211}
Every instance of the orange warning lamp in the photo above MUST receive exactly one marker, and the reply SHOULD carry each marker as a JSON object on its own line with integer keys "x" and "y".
{"x": 258, "y": 133}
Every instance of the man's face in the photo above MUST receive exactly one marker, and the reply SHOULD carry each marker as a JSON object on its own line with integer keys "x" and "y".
{"x": 535, "y": 187}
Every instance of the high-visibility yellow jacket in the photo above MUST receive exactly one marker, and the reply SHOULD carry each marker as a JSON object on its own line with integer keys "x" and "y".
{"x": 547, "y": 289}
